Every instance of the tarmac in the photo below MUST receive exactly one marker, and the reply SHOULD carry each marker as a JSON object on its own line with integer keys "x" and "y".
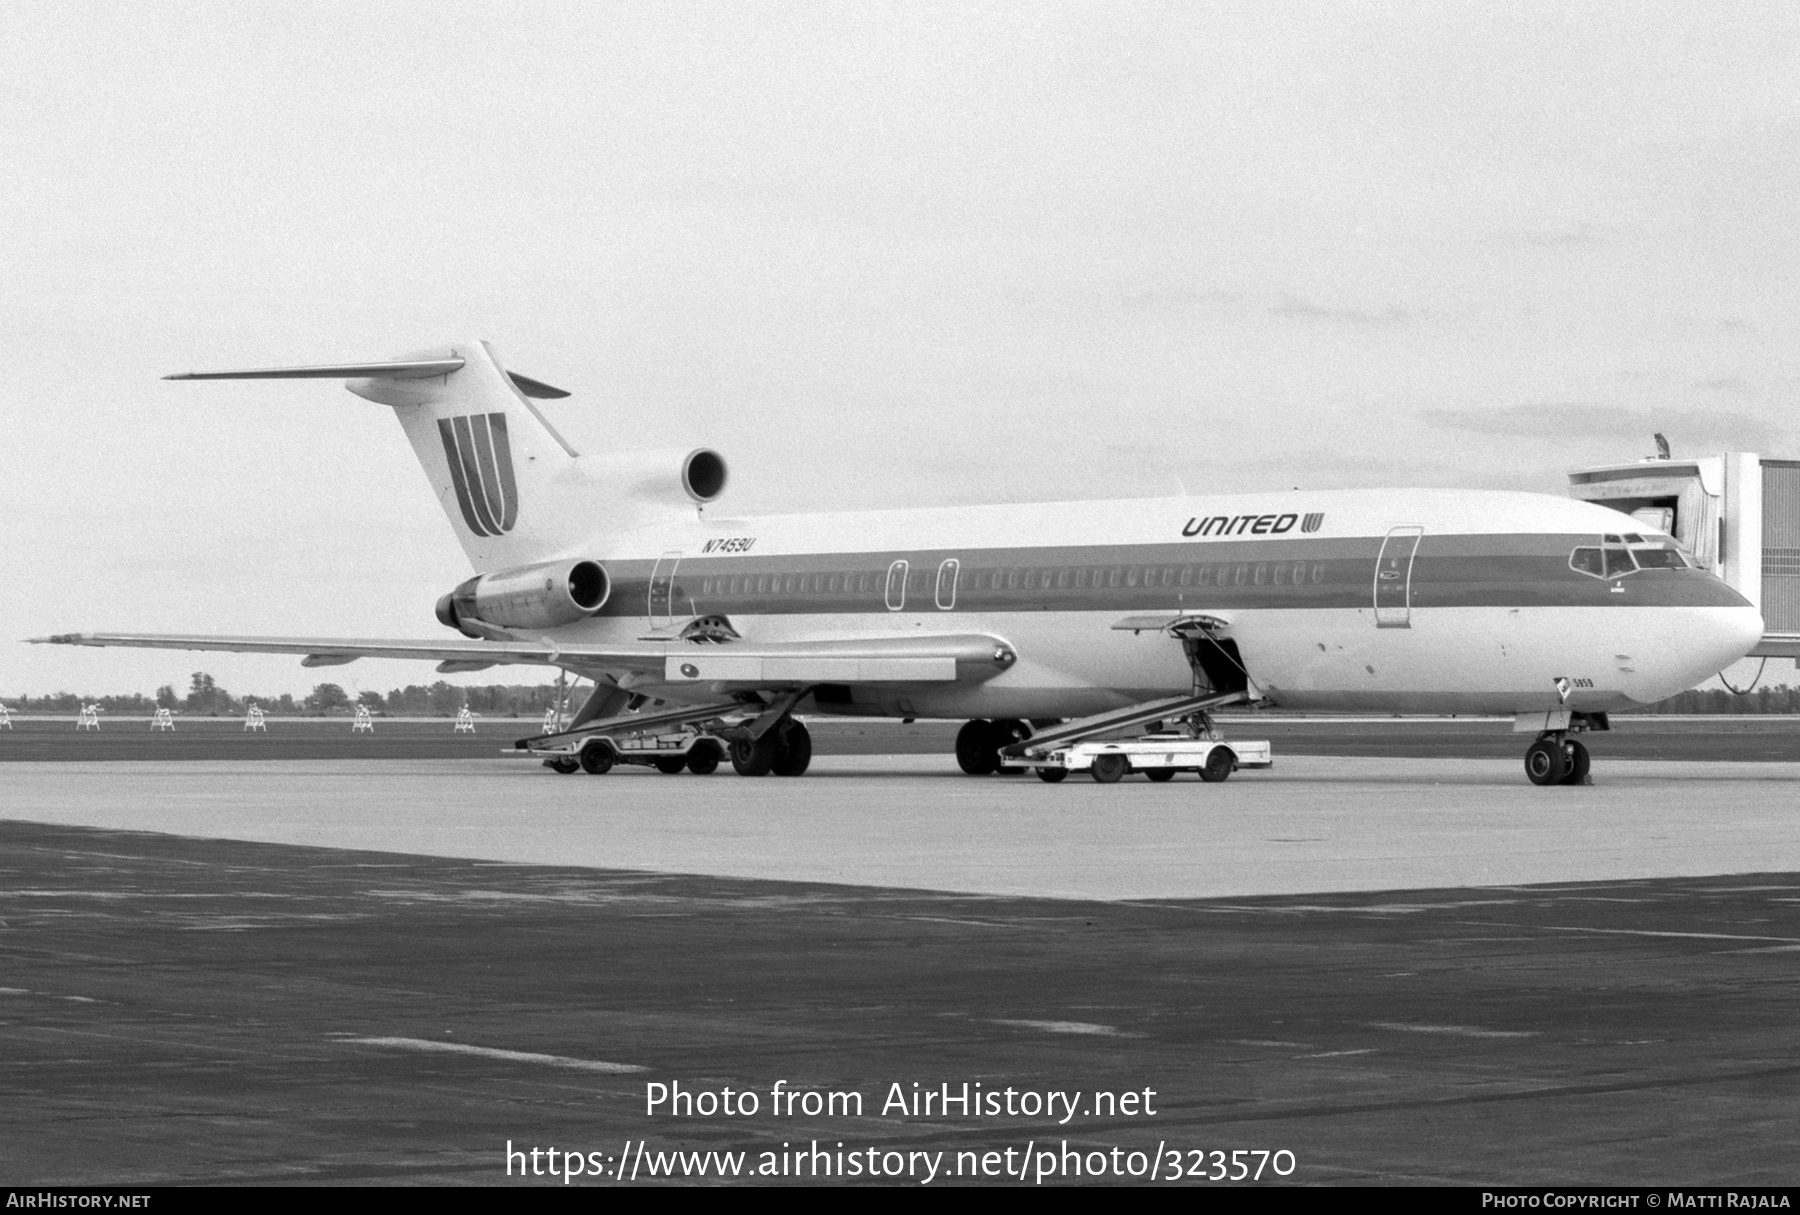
{"x": 1402, "y": 970}
{"x": 1310, "y": 824}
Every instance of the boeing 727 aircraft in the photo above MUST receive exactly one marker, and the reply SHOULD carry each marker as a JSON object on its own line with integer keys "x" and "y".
{"x": 622, "y": 568}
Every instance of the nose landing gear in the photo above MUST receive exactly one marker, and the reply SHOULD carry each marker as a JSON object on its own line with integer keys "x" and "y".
{"x": 1557, "y": 759}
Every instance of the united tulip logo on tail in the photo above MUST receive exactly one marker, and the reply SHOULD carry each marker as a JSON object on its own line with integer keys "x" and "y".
{"x": 481, "y": 468}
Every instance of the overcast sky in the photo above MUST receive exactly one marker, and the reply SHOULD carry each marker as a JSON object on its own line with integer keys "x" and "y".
{"x": 897, "y": 254}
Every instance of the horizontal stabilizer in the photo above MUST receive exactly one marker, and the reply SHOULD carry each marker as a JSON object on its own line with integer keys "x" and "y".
{"x": 536, "y": 388}
{"x": 416, "y": 369}
{"x": 411, "y": 369}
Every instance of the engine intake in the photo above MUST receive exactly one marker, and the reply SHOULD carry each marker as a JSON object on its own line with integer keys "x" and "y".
{"x": 530, "y": 597}
{"x": 703, "y": 474}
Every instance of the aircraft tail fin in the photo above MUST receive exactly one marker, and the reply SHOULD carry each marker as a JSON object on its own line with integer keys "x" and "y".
{"x": 492, "y": 457}
{"x": 513, "y": 488}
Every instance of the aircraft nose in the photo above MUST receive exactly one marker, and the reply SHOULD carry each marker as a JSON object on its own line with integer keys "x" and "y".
{"x": 1729, "y": 633}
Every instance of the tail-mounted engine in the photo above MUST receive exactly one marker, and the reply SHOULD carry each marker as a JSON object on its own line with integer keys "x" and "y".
{"x": 530, "y": 597}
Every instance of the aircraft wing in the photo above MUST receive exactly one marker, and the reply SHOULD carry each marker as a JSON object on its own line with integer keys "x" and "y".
{"x": 963, "y": 657}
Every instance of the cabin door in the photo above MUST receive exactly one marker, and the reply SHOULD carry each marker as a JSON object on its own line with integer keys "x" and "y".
{"x": 662, "y": 590}
{"x": 1393, "y": 578}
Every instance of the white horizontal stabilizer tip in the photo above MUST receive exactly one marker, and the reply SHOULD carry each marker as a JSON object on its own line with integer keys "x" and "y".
{"x": 417, "y": 369}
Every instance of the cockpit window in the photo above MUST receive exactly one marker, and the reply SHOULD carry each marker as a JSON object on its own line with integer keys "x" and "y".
{"x": 1617, "y": 556}
{"x": 1659, "y": 557}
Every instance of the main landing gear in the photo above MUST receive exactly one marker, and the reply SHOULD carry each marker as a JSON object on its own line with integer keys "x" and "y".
{"x": 978, "y": 746}
{"x": 1557, "y": 759}
{"x": 785, "y": 750}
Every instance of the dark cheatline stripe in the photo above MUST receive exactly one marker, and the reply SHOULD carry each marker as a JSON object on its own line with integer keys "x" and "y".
{"x": 465, "y": 447}
{"x": 490, "y": 476}
{"x": 503, "y": 457}
{"x": 1483, "y": 570}
{"x": 454, "y": 459}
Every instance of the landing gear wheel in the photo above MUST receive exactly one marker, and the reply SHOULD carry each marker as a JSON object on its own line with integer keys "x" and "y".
{"x": 672, "y": 766}
{"x": 597, "y": 760}
{"x": 1109, "y": 768}
{"x": 704, "y": 759}
{"x": 1051, "y": 775}
{"x": 1008, "y": 731}
{"x": 754, "y": 758}
{"x": 1545, "y": 763}
{"x": 1218, "y": 766}
{"x": 976, "y": 743}
{"x": 794, "y": 752}
{"x": 1576, "y": 764}
{"x": 1159, "y": 775}
{"x": 564, "y": 765}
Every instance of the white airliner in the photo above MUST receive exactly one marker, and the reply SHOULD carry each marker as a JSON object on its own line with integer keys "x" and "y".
{"x": 621, "y": 568}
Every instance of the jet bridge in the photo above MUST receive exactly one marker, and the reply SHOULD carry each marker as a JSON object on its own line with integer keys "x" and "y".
{"x": 1737, "y": 514}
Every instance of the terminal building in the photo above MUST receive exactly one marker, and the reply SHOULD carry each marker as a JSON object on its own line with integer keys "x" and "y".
{"x": 1737, "y": 514}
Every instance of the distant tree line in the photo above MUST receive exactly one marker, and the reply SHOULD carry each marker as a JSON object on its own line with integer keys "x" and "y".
{"x": 1777, "y": 699}
{"x": 441, "y": 699}
{"x": 206, "y": 698}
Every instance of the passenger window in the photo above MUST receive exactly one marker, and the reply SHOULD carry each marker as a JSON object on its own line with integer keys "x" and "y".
{"x": 1187, "y": 575}
{"x": 1318, "y": 572}
{"x": 1012, "y": 580}
{"x": 1243, "y": 572}
{"x": 1300, "y": 573}
{"x": 1280, "y": 572}
{"x": 1131, "y": 576}
{"x": 1262, "y": 572}
{"x": 1115, "y": 577}
{"x": 1062, "y": 579}
{"x": 1081, "y": 579}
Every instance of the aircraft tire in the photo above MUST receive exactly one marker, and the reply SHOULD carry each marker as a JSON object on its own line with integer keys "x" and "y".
{"x": 753, "y": 758}
{"x": 704, "y": 759}
{"x": 1545, "y": 763}
{"x": 976, "y": 743}
{"x": 564, "y": 765}
{"x": 674, "y": 765}
{"x": 1159, "y": 775}
{"x": 1051, "y": 776}
{"x": 1108, "y": 768}
{"x": 1218, "y": 766}
{"x": 1008, "y": 731}
{"x": 597, "y": 760}
{"x": 794, "y": 755}
{"x": 1576, "y": 763}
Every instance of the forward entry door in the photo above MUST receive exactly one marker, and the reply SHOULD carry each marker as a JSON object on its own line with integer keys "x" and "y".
{"x": 1393, "y": 578}
{"x": 662, "y": 590}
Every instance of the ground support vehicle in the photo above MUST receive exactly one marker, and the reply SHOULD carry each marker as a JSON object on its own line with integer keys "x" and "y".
{"x": 1077, "y": 746}
{"x": 670, "y": 753}
{"x": 1158, "y": 756}
{"x": 693, "y": 739}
